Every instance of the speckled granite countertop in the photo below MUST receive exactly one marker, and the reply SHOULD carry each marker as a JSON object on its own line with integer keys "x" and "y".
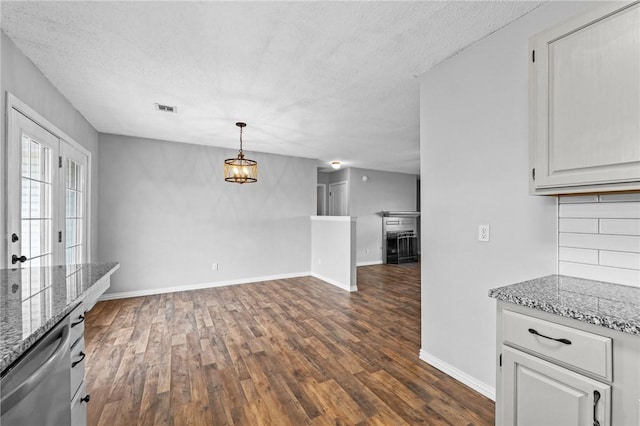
{"x": 33, "y": 300}
{"x": 595, "y": 302}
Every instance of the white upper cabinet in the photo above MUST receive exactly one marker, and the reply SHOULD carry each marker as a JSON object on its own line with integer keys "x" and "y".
{"x": 584, "y": 89}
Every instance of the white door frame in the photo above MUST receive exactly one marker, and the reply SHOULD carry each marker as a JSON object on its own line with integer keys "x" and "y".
{"x": 15, "y": 104}
{"x": 323, "y": 211}
{"x": 346, "y": 191}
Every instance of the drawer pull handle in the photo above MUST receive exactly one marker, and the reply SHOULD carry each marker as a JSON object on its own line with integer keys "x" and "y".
{"x": 565, "y": 341}
{"x": 596, "y": 398}
{"x": 74, "y": 363}
{"x": 80, "y": 318}
{"x": 85, "y": 398}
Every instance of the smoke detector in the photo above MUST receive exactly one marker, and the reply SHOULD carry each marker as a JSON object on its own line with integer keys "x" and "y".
{"x": 167, "y": 108}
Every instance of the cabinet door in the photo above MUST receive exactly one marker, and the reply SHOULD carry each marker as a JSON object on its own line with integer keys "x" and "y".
{"x": 537, "y": 392}
{"x": 585, "y": 102}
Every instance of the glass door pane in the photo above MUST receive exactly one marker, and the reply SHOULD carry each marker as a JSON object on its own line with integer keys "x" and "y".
{"x": 36, "y": 218}
{"x": 75, "y": 217}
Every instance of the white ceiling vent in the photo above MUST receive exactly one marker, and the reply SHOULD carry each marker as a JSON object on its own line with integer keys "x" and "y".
{"x": 166, "y": 108}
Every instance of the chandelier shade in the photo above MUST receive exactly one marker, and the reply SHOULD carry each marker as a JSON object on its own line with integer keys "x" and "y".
{"x": 240, "y": 169}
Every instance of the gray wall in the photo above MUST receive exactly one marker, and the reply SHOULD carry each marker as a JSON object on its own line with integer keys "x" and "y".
{"x": 323, "y": 177}
{"x": 474, "y": 163}
{"x": 339, "y": 176}
{"x": 167, "y": 215}
{"x": 23, "y": 79}
{"x": 382, "y": 191}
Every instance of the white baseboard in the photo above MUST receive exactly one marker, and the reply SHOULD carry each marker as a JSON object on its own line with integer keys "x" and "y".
{"x": 459, "y": 375}
{"x": 343, "y": 286}
{"x": 152, "y": 291}
{"x": 369, "y": 263}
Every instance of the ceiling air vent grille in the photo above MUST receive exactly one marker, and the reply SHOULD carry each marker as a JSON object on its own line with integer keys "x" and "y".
{"x": 166, "y": 108}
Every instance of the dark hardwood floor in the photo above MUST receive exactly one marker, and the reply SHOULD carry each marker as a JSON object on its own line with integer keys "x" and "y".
{"x": 285, "y": 352}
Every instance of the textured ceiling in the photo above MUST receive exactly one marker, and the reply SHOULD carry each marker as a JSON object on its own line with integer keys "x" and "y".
{"x": 324, "y": 80}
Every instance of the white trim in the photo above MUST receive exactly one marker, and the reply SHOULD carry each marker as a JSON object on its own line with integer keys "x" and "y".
{"x": 24, "y": 109}
{"x": 174, "y": 289}
{"x": 335, "y": 218}
{"x": 343, "y": 286}
{"x": 459, "y": 375}
{"x": 369, "y": 263}
{"x": 323, "y": 212}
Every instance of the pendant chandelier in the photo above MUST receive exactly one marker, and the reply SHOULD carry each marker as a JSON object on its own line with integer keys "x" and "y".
{"x": 240, "y": 169}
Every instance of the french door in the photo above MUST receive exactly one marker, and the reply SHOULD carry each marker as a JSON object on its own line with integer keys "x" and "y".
{"x": 47, "y": 194}
{"x": 74, "y": 171}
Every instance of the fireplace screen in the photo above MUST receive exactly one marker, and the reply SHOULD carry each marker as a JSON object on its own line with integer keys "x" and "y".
{"x": 402, "y": 247}
{"x": 400, "y": 242}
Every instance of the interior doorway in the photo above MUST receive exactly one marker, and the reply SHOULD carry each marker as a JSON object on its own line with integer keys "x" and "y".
{"x": 338, "y": 199}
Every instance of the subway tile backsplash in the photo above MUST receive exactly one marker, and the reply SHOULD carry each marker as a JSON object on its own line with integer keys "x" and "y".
{"x": 599, "y": 237}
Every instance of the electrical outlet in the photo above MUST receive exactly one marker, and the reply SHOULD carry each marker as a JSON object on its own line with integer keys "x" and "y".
{"x": 483, "y": 233}
{"x": 214, "y": 266}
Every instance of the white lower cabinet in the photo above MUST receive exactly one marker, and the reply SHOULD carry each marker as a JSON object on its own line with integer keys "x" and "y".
{"x": 79, "y": 397}
{"x": 552, "y": 370}
{"x": 537, "y": 392}
{"x": 79, "y": 407}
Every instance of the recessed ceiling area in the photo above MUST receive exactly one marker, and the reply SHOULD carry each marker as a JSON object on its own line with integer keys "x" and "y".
{"x": 325, "y": 80}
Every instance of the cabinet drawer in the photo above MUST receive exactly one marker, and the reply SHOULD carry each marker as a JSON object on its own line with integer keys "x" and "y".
{"x": 77, "y": 323}
{"x": 575, "y": 348}
{"x": 79, "y": 407}
{"x": 77, "y": 365}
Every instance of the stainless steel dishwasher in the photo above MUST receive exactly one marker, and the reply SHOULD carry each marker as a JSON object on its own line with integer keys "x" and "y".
{"x": 35, "y": 390}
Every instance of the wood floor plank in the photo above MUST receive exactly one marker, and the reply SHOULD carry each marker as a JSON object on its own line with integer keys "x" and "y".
{"x": 285, "y": 352}
{"x": 149, "y": 403}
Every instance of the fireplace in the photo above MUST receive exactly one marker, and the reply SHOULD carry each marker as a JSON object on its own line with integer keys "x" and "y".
{"x": 400, "y": 236}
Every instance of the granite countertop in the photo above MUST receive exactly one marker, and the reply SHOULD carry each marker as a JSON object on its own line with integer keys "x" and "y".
{"x": 33, "y": 300}
{"x": 595, "y": 302}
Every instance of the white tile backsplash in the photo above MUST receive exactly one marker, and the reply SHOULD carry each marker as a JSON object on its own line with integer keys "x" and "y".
{"x": 602, "y": 210}
{"x": 584, "y": 226}
{"x": 600, "y": 241}
{"x": 600, "y": 273}
{"x": 615, "y": 198}
{"x": 578, "y": 255}
{"x": 618, "y": 226}
{"x": 579, "y": 199}
{"x": 620, "y": 259}
{"x": 599, "y": 237}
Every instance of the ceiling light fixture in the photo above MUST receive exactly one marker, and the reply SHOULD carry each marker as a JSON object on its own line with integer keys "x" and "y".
{"x": 240, "y": 169}
{"x": 336, "y": 164}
